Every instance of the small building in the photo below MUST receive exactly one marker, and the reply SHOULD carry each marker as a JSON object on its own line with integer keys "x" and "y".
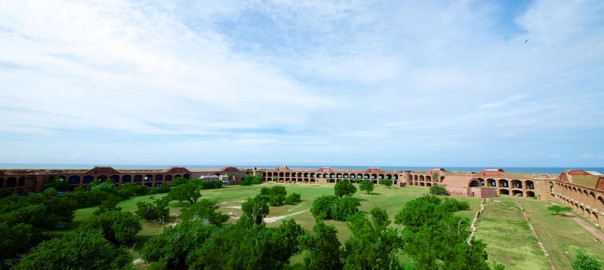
{"x": 467, "y": 186}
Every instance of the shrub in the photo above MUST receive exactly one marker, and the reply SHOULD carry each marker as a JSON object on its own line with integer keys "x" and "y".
{"x": 156, "y": 210}
{"x": 322, "y": 207}
{"x": 366, "y": 185}
{"x": 211, "y": 184}
{"x": 438, "y": 190}
{"x": 116, "y": 226}
{"x": 345, "y": 207}
{"x": 292, "y": 198}
{"x": 585, "y": 262}
{"x": 386, "y": 182}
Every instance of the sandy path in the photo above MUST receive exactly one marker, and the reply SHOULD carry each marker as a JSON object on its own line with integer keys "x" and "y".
{"x": 587, "y": 226}
{"x": 273, "y": 219}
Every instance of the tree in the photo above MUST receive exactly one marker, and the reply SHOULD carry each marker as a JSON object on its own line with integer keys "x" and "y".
{"x": 344, "y": 207}
{"x": 108, "y": 205}
{"x": 322, "y": 207}
{"x": 205, "y": 211}
{"x": 17, "y": 238}
{"x": 292, "y": 198}
{"x": 57, "y": 183}
{"x": 116, "y": 226}
{"x": 323, "y": 247}
{"x": 366, "y": 185}
{"x": 438, "y": 190}
{"x": 156, "y": 210}
{"x": 78, "y": 250}
{"x": 583, "y": 261}
{"x": 373, "y": 245}
{"x": 386, "y": 182}
{"x": 255, "y": 209}
{"x": 344, "y": 188}
{"x": 175, "y": 243}
{"x": 433, "y": 235}
{"x": 557, "y": 209}
{"x": 185, "y": 192}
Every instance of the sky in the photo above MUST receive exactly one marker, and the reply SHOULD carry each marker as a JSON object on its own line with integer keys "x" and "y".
{"x": 363, "y": 83}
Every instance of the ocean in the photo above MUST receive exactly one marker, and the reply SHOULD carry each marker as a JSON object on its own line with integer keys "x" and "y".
{"x": 544, "y": 170}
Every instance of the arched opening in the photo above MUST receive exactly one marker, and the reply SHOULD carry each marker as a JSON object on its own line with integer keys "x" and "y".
{"x": 186, "y": 176}
{"x": 503, "y": 183}
{"x": 11, "y": 182}
{"x": 339, "y": 175}
{"x": 138, "y": 178}
{"x": 1, "y": 182}
{"x": 168, "y": 178}
{"x": 530, "y": 194}
{"x": 428, "y": 178}
{"x": 421, "y": 184}
{"x": 517, "y": 184}
{"x": 529, "y": 184}
{"x": 88, "y": 179}
{"x": 148, "y": 178}
{"x": 503, "y": 191}
{"x": 115, "y": 178}
{"x": 159, "y": 177}
{"x": 74, "y": 180}
{"x": 126, "y": 178}
{"x": 21, "y": 181}
{"x": 475, "y": 183}
{"x": 517, "y": 193}
{"x": 428, "y": 184}
{"x": 595, "y": 216}
{"x": 492, "y": 182}
{"x": 421, "y": 178}
{"x": 601, "y": 200}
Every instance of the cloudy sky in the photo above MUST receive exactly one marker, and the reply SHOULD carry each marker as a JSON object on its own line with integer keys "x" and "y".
{"x": 314, "y": 82}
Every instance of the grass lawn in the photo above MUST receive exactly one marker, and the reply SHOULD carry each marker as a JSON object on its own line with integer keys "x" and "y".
{"x": 230, "y": 198}
{"x": 561, "y": 235}
{"x": 508, "y": 237}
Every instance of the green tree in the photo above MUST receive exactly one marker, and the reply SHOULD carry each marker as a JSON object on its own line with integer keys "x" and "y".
{"x": 433, "y": 235}
{"x": 156, "y": 210}
{"x": 79, "y": 250}
{"x": 438, "y": 190}
{"x": 344, "y": 188}
{"x": 205, "y": 211}
{"x": 175, "y": 243}
{"x": 108, "y": 205}
{"x": 255, "y": 209}
{"x": 322, "y": 207}
{"x": 557, "y": 209}
{"x": 345, "y": 207}
{"x": 116, "y": 226}
{"x": 366, "y": 185}
{"x": 323, "y": 247}
{"x": 582, "y": 261}
{"x": 57, "y": 183}
{"x": 17, "y": 239}
{"x": 386, "y": 182}
{"x": 292, "y": 198}
{"x": 373, "y": 245}
{"x": 185, "y": 192}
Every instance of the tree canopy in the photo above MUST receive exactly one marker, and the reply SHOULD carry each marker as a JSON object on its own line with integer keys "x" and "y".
{"x": 366, "y": 185}
{"x": 344, "y": 188}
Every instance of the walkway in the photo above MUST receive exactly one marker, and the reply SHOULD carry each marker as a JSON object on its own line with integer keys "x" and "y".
{"x": 587, "y": 226}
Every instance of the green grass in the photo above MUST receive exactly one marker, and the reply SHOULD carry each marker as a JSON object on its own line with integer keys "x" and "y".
{"x": 229, "y": 199}
{"x": 561, "y": 235}
{"x": 508, "y": 237}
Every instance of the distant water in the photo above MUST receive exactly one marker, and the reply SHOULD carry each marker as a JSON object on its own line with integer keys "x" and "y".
{"x": 545, "y": 170}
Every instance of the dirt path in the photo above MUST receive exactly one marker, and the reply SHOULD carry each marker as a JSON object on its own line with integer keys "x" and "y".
{"x": 273, "y": 219}
{"x": 587, "y": 226}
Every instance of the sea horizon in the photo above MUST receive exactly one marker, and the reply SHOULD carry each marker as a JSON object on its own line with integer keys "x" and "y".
{"x": 544, "y": 170}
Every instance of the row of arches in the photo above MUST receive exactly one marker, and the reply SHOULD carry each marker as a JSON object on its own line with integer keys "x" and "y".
{"x": 587, "y": 211}
{"x": 12, "y": 182}
{"x": 593, "y": 198}
{"x": 312, "y": 177}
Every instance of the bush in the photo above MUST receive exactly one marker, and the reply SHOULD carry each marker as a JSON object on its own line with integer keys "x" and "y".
{"x": 344, "y": 188}
{"x": 322, "y": 207}
{"x": 386, "y": 182}
{"x": 585, "y": 262}
{"x": 156, "y": 210}
{"x": 211, "y": 184}
{"x": 160, "y": 189}
{"x": 366, "y": 185}
{"x": 133, "y": 189}
{"x": 438, "y": 190}
{"x": 116, "y": 226}
{"x": 206, "y": 211}
{"x": 292, "y": 198}
{"x": 345, "y": 207}
{"x": 251, "y": 179}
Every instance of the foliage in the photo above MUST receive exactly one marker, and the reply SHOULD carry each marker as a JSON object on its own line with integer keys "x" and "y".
{"x": 211, "y": 184}
{"x": 133, "y": 189}
{"x": 583, "y": 261}
{"x": 322, "y": 207}
{"x": 373, "y": 245}
{"x": 177, "y": 181}
{"x": 429, "y": 225}
{"x": 106, "y": 187}
{"x": 292, "y": 198}
{"x": 79, "y": 250}
{"x": 246, "y": 246}
{"x": 116, "y": 226}
{"x": 366, "y": 185}
{"x": 291, "y": 231}
{"x": 275, "y": 195}
{"x": 185, "y": 192}
{"x": 438, "y": 190}
{"x": 557, "y": 209}
{"x": 344, "y": 188}
{"x": 160, "y": 189}
{"x": 44, "y": 210}
{"x": 204, "y": 211}
{"x": 387, "y": 182}
{"x": 251, "y": 179}
{"x": 108, "y": 205}
{"x": 345, "y": 207}
{"x": 323, "y": 247}
{"x": 156, "y": 210}
{"x": 255, "y": 209}
{"x": 17, "y": 238}
{"x": 174, "y": 245}
{"x": 57, "y": 183}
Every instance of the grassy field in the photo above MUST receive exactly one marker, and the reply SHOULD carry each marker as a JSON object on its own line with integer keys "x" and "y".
{"x": 501, "y": 226}
{"x": 508, "y": 237}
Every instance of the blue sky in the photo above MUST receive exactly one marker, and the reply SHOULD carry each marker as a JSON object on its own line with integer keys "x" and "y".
{"x": 377, "y": 83}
